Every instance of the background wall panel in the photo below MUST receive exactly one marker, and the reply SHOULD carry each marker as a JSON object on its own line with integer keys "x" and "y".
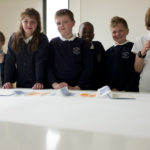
{"x": 99, "y": 13}
{"x": 10, "y": 11}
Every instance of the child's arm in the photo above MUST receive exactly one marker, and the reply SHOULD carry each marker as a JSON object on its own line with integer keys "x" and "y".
{"x": 9, "y": 66}
{"x": 56, "y": 85}
{"x": 74, "y": 88}
{"x": 139, "y": 64}
{"x": 50, "y": 74}
{"x": 41, "y": 59}
{"x": 139, "y": 61}
{"x": 133, "y": 76}
{"x": 87, "y": 66}
{"x": 7, "y": 85}
{"x": 38, "y": 86}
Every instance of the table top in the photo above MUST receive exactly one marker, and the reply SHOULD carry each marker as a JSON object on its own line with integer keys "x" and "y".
{"x": 85, "y": 121}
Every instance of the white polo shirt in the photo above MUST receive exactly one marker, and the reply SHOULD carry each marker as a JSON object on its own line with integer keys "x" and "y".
{"x": 144, "y": 83}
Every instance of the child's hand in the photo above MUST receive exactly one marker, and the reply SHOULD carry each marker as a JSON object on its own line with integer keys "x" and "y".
{"x": 114, "y": 89}
{"x": 74, "y": 88}
{"x": 38, "y": 86}
{"x": 7, "y": 85}
{"x": 1, "y": 58}
{"x": 56, "y": 85}
{"x": 146, "y": 48}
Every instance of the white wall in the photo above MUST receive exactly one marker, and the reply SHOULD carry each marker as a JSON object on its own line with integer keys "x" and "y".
{"x": 10, "y": 12}
{"x": 99, "y": 13}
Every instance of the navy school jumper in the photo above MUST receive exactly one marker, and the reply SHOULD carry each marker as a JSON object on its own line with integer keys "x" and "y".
{"x": 120, "y": 68}
{"x": 99, "y": 73}
{"x": 70, "y": 62}
{"x": 26, "y": 67}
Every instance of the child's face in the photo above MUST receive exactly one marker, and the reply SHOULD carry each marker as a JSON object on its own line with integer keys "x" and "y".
{"x": 64, "y": 26}
{"x": 119, "y": 33}
{"x": 86, "y": 33}
{"x": 29, "y": 26}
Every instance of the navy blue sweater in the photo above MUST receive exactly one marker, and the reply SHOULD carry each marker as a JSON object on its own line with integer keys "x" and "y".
{"x": 2, "y": 69}
{"x": 99, "y": 73}
{"x": 26, "y": 67}
{"x": 120, "y": 68}
{"x": 70, "y": 62}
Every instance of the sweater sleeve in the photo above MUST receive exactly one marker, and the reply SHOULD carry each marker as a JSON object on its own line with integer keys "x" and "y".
{"x": 9, "y": 66}
{"x": 51, "y": 75}
{"x": 2, "y": 68}
{"x": 41, "y": 59}
{"x": 132, "y": 84}
{"x": 87, "y": 67}
{"x": 100, "y": 70}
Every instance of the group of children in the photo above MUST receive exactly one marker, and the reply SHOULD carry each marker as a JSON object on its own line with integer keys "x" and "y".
{"x": 76, "y": 62}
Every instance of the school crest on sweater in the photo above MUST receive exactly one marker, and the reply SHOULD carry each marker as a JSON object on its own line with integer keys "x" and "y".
{"x": 125, "y": 55}
{"x": 76, "y": 50}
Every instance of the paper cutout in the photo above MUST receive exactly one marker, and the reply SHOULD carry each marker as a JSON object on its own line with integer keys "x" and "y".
{"x": 103, "y": 91}
{"x": 6, "y": 92}
{"x": 88, "y": 95}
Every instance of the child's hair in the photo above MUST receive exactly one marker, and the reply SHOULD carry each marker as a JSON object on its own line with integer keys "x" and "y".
{"x": 87, "y": 23}
{"x": 18, "y": 37}
{"x": 65, "y": 12}
{"x": 2, "y": 38}
{"x": 118, "y": 20}
{"x": 147, "y": 19}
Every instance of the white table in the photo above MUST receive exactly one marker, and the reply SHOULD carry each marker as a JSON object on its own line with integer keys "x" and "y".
{"x": 79, "y": 122}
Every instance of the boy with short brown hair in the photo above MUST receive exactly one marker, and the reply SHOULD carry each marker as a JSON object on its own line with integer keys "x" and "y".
{"x": 121, "y": 75}
{"x": 70, "y": 60}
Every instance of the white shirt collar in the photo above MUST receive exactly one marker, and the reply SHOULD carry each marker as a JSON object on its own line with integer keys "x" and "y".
{"x": 28, "y": 39}
{"x": 71, "y": 39}
{"x": 121, "y": 43}
{"x": 92, "y": 46}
